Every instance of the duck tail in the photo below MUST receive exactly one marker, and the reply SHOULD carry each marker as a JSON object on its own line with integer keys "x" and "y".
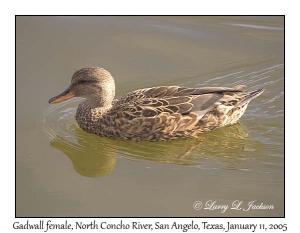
{"x": 251, "y": 95}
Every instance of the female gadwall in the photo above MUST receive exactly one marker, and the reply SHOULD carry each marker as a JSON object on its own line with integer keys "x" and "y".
{"x": 152, "y": 114}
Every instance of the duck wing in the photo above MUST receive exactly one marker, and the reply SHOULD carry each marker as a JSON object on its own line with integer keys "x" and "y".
{"x": 168, "y": 91}
{"x": 161, "y": 118}
{"x": 162, "y": 113}
{"x": 151, "y": 102}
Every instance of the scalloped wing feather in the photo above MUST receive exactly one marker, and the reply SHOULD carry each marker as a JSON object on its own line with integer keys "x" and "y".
{"x": 169, "y": 91}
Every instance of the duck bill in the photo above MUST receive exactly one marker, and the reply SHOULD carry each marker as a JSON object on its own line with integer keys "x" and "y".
{"x": 67, "y": 94}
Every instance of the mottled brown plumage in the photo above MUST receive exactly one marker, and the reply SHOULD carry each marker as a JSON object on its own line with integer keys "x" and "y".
{"x": 152, "y": 114}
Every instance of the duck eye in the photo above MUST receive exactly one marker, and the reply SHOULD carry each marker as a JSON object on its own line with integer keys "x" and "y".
{"x": 83, "y": 81}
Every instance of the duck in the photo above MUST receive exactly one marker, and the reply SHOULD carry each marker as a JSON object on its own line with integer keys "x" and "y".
{"x": 152, "y": 114}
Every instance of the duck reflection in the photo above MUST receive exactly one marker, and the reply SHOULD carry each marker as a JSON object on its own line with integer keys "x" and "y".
{"x": 94, "y": 156}
{"x": 89, "y": 158}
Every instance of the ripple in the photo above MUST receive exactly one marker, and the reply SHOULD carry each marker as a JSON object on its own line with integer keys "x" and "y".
{"x": 96, "y": 156}
{"x": 256, "y": 26}
{"x": 233, "y": 147}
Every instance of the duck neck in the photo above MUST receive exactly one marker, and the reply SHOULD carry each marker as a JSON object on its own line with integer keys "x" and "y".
{"x": 92, "y": 110}
{"x": 90, "y": 113}
{"x": 97, "y": 102}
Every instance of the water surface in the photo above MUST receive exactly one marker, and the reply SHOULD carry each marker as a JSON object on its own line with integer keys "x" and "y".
{"x": 63, "y": 171}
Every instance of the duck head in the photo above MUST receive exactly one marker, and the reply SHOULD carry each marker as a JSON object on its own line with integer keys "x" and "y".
{"x": 93, "y": 83}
